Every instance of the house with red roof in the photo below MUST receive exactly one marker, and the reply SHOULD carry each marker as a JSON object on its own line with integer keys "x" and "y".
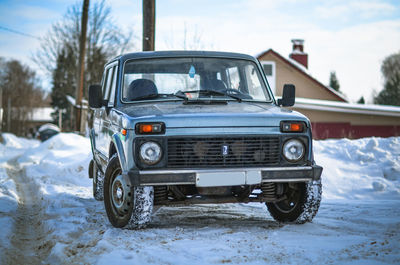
{"x": 331, "y": 115}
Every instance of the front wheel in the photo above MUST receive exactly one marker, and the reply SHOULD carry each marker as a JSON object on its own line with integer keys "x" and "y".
{"x": 300, "y": 202}
{"x": 126, "y": 205}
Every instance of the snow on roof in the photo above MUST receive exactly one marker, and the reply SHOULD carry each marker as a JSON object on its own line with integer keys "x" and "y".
{"x": 336, "y": 106}
{"x": 297, "y": 51}
{"x": 42, "y": 114}
{"x": 48, "y": 126}
{"x": 71, "y": 100}
{"x": 300, "y": 66}
{"x": 298, "y": 41}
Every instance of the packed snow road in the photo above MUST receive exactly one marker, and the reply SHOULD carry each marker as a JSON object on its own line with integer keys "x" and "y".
{"x": 29, "y": 228}
{"x": 48, "y": 215}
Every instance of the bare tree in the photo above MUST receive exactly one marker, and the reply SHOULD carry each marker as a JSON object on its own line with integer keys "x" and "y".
{"x": 104, "y": 40}
{"x": 192, "y": 39}
{"x": 20, "y": 95}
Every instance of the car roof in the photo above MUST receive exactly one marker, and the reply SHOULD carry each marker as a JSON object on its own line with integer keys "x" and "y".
{"x": 166, "y": 54}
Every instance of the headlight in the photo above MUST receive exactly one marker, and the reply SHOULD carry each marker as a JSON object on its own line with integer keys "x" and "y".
{"x": 150, "y": 153}
{"x": 293, "y": 150}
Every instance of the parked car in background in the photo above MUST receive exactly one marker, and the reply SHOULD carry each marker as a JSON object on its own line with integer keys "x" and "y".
{"x": 46, "y": 131}
{"x": 179, "y": 128}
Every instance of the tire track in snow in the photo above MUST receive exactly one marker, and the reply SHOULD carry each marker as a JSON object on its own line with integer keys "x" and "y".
{"x": 29, "y": 241}
{"x": 81, "y": 243}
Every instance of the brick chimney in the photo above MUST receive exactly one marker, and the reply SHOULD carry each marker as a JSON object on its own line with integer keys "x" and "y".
{"x": 298, "y": 53}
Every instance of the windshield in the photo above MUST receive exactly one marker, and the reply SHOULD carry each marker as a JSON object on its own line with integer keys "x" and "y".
{"x": 192, "y": 78}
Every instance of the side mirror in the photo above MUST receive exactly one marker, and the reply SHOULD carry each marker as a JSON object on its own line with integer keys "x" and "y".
{"x": 95, "y": 96}
{"x": 288, "y": 97}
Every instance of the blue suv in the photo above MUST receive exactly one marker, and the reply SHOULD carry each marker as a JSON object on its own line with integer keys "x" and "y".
{"x": 191, "y": 127}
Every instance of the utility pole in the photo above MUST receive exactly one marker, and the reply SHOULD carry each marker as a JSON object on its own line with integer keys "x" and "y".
{"x": 149, "y": 24}
{"x": 82, "y": 50}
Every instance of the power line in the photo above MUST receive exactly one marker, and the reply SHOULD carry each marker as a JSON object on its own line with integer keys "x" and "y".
{"x": 19, "y": 32}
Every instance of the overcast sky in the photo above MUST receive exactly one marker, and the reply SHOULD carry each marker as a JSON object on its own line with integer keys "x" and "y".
{"x": 351, "y": 37}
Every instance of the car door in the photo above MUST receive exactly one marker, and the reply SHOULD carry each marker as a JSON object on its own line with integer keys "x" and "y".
{"x": 105, "y": 132}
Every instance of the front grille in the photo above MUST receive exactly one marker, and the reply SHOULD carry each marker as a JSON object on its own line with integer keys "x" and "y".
{"x": 223, "y": 152}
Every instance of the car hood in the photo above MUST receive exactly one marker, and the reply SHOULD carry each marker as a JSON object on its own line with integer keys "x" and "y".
{"x": 232, "y": 114}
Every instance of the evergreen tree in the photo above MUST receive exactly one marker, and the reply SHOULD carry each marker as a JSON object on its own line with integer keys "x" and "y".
{"x": 333, "y": 81}
{"x": 361, "y": 100}
{"x": 64, "y": 83}
{"x": 390, "y": 95}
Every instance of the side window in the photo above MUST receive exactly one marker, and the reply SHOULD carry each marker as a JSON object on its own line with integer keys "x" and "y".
{"x": 103, "y": 80}
{"x": 113, "y": 87}
{"x": 106, "y": 89}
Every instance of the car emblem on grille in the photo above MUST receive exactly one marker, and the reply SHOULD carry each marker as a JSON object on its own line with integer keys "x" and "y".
{"x": 225, "y": 150}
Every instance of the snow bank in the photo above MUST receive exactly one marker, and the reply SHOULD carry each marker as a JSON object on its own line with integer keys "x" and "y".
{"x": 12, "y": 141}
{"x": 59, "y": 167}
{"x": 365, "y": 169}
{"x": 11, "y": 148}
{"x": 8, "y": 205}
{"x": 8, "y": 193}
{"x": 62, "y": 162}
{"x": 14, "y": 146}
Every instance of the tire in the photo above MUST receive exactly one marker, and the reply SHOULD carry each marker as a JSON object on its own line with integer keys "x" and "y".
{"x": 126, "y": 205}
{"x": 97, "y": 181}
{"x": 300, "y": 206}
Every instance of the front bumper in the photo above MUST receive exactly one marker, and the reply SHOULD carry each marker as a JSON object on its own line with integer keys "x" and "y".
{"x": 224, "y": 177}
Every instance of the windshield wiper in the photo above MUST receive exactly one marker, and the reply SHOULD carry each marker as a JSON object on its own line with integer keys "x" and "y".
{"x": 160, "y": 95}
{"x": 215, "y": 92}
{"x": 178, "y": 95}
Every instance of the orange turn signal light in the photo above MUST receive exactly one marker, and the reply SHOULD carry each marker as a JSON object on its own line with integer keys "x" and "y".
{"x": 145, "y": 128}
{"x": 296, "y": 127}
{"x": 124, "y": 132}
{"x": 150, "y": 128}
{"x": 292, "y": 126}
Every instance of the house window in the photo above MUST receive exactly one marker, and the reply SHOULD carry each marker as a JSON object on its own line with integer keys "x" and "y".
{"x": 269, "y": 70}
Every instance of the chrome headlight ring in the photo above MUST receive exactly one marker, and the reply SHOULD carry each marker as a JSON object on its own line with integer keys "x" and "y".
{"x": 150, "y": 153}
{"x": 293, "y": 150}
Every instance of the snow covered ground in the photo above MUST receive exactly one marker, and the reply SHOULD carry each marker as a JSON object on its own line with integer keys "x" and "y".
{"x": 47, "y": 213}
